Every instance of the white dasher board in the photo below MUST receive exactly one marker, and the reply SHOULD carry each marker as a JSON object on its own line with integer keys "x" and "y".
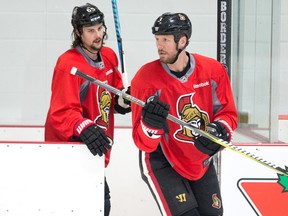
{"x": 44, "y": 179}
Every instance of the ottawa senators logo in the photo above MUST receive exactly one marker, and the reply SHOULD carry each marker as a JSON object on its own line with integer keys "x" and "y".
{"x": 181, "y": 17}
{"x": 191, "y": 114}
{"x": 216, "y": 202}
{"x": 104, "y": 99}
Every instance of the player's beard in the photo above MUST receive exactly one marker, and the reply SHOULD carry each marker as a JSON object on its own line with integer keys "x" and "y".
{"x": 96, "y": 45}
{"x": 167, "y": 59}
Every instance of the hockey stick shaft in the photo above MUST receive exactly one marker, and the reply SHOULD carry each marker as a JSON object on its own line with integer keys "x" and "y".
{"x": 119, "y": 42}
{"x": 172, "y": 118}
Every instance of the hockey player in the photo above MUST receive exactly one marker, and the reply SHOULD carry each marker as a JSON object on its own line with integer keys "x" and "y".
{"x": 176, "y": 163}
{"x": 80, "y": 111}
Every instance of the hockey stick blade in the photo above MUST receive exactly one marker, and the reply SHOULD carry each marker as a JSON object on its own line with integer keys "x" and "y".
{"x": 172, "y": 118}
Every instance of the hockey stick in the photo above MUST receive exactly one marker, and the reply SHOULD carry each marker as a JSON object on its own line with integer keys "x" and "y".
{"x": 215, "y": 139}
{"x": 119, "y": 42}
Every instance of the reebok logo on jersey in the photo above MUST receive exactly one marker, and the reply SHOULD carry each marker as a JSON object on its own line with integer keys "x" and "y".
{"x": 201, "y": 85}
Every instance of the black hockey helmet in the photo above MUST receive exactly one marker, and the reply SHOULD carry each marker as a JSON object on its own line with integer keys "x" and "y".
{"x": 86, "y": 15}
{"x": 175, "y": 24}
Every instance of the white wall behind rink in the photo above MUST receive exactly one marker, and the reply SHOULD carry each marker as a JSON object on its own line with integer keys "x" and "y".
{"x": 129, "y": 194}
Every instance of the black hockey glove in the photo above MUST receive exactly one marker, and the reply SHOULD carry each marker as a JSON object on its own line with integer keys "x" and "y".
{"x": 206, "y": 145}
{"x": 122, "y": 105}
{"x": 154, "y": 114}
{"x": 127, "y": 92}
{"x": 96, "y": 140}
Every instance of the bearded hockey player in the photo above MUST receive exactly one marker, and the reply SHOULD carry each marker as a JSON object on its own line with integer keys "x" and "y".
{"x": 80, "y": 111}
{"x": 176, "y": 163}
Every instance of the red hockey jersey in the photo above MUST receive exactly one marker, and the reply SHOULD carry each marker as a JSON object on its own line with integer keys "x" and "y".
{"x": 201, "y": 96}
{"x": 74, "y": 98}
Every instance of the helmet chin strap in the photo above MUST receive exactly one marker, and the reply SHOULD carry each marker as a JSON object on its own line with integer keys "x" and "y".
{"x": 91, "y": 51}
{"x": 88, "y": 50}
{"x": 178, "y": 53}
{"x": 176, "y": 58}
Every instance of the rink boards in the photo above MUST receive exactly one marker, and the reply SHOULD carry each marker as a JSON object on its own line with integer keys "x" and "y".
{"x": 39, "y": 178}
